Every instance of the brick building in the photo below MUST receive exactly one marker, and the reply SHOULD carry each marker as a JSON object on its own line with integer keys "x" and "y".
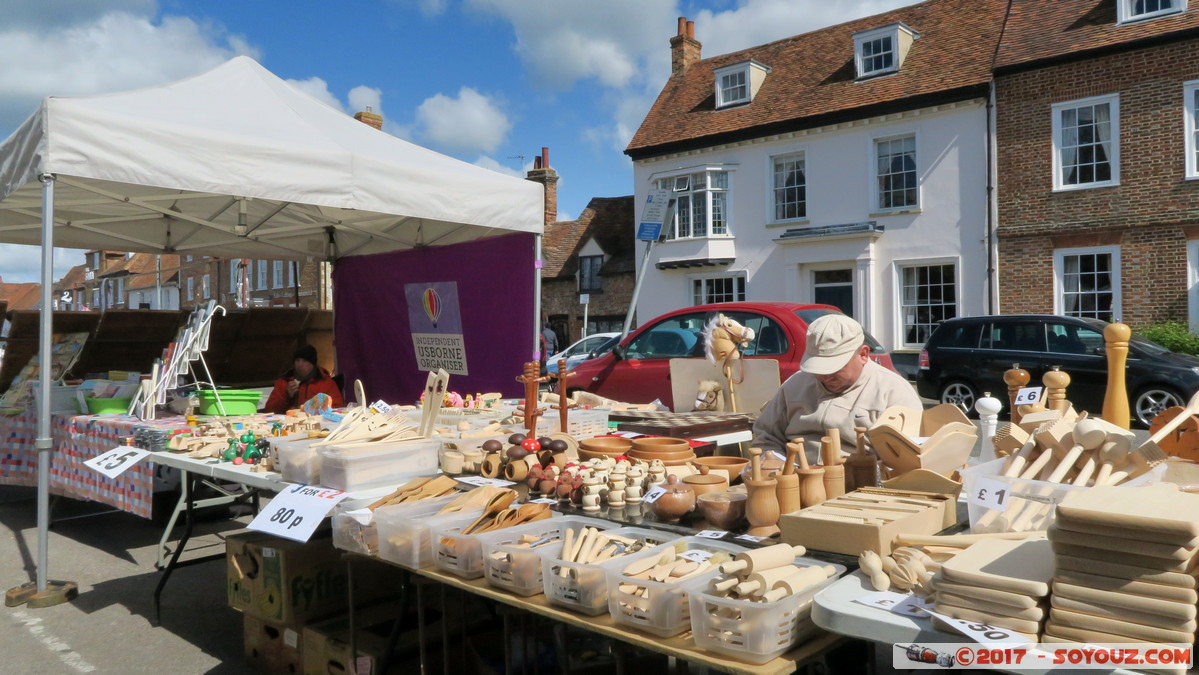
{"x": 238, "y": 282}
{"x": 592, "y": 255}
{"x": 1098, "y": 176}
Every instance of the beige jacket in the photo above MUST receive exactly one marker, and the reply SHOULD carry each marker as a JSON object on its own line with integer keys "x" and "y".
{"x": 804, "y": 408}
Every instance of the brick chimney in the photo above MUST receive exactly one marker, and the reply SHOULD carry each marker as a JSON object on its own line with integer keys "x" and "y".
{"x": 684, "y": 48}
{"x": 542, "y": 173}
{"x": 369, "y": 118}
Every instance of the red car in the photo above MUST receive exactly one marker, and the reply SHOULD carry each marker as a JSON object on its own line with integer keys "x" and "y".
{"x": 638, "y": 370}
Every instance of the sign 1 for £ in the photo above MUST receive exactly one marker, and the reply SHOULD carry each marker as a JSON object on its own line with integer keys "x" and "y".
{"x": 295, "y": 512}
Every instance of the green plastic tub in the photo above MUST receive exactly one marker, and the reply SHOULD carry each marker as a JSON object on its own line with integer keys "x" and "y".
{"x": 107, "y": 406}
{"x": 236, "y": 401}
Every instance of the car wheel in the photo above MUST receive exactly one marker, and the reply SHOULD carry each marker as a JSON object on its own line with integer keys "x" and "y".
{"x": 960, "y": 393}
{"x": 1152, "y": 400}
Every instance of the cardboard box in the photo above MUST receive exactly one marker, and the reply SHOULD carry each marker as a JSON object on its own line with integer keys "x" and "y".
{"x": 271, "y": 647}
{"x": 327, "y": 643}
{"x": 818, "y": 527}
{"x": 284, "y": 581}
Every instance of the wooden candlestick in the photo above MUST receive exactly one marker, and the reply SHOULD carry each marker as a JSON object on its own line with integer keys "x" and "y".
{"x": 861, "y": 467}
{"x": 1115, "y": 401}
{"x": 1015, "y": 378}
{"x": 762, "y": 506}
{"x": 1055, "y": 382}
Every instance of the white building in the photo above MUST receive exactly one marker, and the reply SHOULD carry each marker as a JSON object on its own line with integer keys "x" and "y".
{"x": 847, "y": 166}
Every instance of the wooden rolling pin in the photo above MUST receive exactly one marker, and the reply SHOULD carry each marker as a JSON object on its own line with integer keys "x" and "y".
{"x": 760, "y": 582}
{"x": 748, "y": 562}
{"x": 798, "y": 582}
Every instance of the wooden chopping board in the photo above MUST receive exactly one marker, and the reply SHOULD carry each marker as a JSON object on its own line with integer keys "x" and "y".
{"x": 990, "y": 595}
{"x": 1063, "y": 617}
{"x": 1146, "y": 548}
{"x": 1123, "y": 558}
{"x": 1097, "y": 609}
{"x": 1056, "y": 633}
{"x": 939, "y": 624}
{"x": 1101, "y": 584}
{"x": 1014, "y": 565}
{"x": 1158, "y": 508}
{"x": 1037, "y": 613}
{"x": 989, "y": 618}
{"x": 1125, "y": 571}
{"x": 1067, "y": 523}
{"x": 1168, "y": 609}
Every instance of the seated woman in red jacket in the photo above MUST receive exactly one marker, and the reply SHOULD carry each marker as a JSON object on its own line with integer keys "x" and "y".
{"x": 302, "y": 382}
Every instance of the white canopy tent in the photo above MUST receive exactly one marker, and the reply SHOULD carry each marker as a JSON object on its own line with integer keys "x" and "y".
{"x": 234, "y": 162}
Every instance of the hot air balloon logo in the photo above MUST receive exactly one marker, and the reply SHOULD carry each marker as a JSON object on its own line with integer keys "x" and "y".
{"x": 432, "y": 303}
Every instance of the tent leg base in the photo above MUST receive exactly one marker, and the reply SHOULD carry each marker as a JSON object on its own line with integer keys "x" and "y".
{"x": 56, "y": 593}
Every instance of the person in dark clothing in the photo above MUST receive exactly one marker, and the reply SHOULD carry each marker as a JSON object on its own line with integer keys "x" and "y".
{"x": 305, "y": 380}
{"x": 551, "y": 340}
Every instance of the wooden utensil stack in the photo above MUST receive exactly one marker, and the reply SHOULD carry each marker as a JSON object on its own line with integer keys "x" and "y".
{"x": 1000, "y": 582}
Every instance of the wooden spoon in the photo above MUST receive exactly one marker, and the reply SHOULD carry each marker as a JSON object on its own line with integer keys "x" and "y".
{"x": 494, "y": 507}
{"x": 1088, "y": 435}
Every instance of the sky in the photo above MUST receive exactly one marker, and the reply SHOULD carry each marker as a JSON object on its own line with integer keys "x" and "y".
{"x": 489, "y": 82}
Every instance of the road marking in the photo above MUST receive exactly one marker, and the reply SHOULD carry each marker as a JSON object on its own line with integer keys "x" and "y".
{"x": 60, "y": 648}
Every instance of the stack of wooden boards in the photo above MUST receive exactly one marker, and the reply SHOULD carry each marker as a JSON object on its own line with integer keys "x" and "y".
{"x": 868, "y": 519}
{"x": 1000, "y": 582}
{"x": 1126, "y": 566}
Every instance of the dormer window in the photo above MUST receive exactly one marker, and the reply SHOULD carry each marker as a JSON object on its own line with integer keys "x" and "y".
{"x": 1136, "y": 10}
{"x": 738, "y": 83}
{"x": 881, "y": 50}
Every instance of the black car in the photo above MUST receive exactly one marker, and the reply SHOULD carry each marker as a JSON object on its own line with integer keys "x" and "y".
{"x": 967, "y": 357}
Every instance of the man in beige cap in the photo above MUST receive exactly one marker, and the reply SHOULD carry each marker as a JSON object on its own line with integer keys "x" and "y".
{"x": 837, "y": 386}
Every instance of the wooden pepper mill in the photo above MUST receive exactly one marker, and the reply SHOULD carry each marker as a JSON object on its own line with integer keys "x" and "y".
{"x": 811, "y": 480}
{"x": 1016, "y": 378}
{"x": 861, "y": 469}
{"x": 1115, "y": 400}
{"x": 834, "y": 467}
{"x": 1056, "y": 381}
{"x": 788, "y": 481}
{"x": 762, "y": 506}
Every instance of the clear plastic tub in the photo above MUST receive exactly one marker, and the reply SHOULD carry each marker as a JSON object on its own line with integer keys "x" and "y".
{"x": 518, "y": 569}
{"x": 582, "y": 424}
{"x": 296, "y": 460}
{"x": 582, "y": 587}
{"x": 358, "y": 532}
{"x": 754, "y": 631}
{"x": 406, "y": 535}
{"x": 1031, "y": 504}
{"x": 458, "y": 553}
{"x": 367, "y": 465}
{"x": 663, "y": 608}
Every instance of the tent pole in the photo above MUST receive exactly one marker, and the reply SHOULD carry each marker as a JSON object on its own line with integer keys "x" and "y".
{"x": 43, "y": 592}
{"x": 537, "y": 264}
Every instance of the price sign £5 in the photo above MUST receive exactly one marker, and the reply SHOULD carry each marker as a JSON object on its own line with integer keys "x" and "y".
{"x": 295, "y": 512}
{"x": 116, "y": 461}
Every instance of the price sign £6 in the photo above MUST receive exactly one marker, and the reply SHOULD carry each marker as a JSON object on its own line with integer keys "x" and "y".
{"x": 116, "y": 461}
{"x": 296, "y": 511}
{"x": 1029, "y": 395}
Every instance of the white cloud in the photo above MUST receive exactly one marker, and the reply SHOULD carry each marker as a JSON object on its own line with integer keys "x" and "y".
{"x": 490, "y": 163}
{"x": 319, "y": 89}
{"x": 757, "y": 22}
{"x": 23, "y": 264}
{"x": 44, "y": 14}
{"x": 363, "y": 97}
{"x": 112, "y": 52}
{"x": 471, "y": 122}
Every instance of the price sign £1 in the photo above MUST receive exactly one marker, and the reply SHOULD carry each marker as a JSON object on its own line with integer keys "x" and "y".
{"x": 116, "y": 461}
{"x": 990, "y": 493}
{"x": 295, "y": 512}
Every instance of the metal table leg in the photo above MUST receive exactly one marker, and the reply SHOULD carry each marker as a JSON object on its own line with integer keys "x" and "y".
{"x": 190, "y": 519}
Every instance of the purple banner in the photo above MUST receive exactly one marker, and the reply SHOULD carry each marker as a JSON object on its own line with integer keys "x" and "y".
{"x": 373, "y": 328}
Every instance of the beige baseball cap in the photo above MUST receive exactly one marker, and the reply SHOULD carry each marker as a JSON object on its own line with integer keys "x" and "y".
{"x": 832, "y": 340}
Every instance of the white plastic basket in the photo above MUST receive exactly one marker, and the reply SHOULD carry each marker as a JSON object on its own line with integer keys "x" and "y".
{"x": 517, "y": 569}
{"x": 359, "y": 532}
{"x": 754, "y": 631}
{"x": 1031, "y": 504}
{"x": 582, "y": 587}
{"x": 354, "y": 467}
{"x": 296, "y": 460}
{"x": 459, "y": 553}
{"x": 662, "y": 609}
{"x": 581, "y": 424}
{"x": 406, "y": 537}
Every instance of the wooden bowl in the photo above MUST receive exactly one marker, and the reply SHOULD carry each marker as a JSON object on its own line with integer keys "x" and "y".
{"x": 664, "y": 456}
{"x": 658, "y": 444}
{"x": 600, "y": 448}
{"x": 733, "y": 465}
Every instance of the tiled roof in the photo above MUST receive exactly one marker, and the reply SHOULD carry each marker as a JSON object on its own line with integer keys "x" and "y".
{"x": 608, "y": 220}
{"x": 812, "y": 79}
{"x": 1040, "y": 30}
{"x": 74, "y": 277}
{"x": 21, "y": 296}
{"x": 143, "y": 267}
